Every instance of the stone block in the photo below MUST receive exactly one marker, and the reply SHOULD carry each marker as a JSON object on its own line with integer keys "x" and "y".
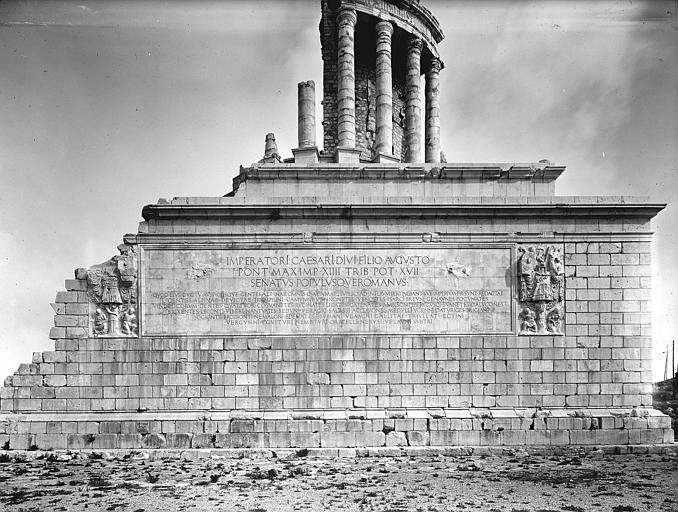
{"x": 81, "y": 441}
{"x": 338, "y": 439}
{"x": 153, "y": 441}
{"x": 513, "y": 437}
{"x": 180, "y": 441}
{"x": 248, "y": 440}
{"x": 538, "y": 437}
{"x": 21, "y": 441}
{"x": 616, "y": 437}
{"x": 652, "y": 436}
{"x": 104, "y": 441}
{"x": 65, "y": 297}
{"x": 305, "y": 440}
{"x": 418, "y": 438}
{"x": 51, "y": 441}
{"x": 56, "y": 333}
{"x": 668, "y": 436}
{"x": 560, "y": 437}
{"x": 583, "y": 437}
{"x": 204, "y": 441}
{"x": 367, "y": 439}
{"x": 396, "y": 439}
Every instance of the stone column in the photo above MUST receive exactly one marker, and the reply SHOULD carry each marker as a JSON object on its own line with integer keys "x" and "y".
{"x": 433, "y": 111}
{"x": 307, "y": 114}
{"x": 384, "y": 86}
{"x": 346, "y": 20}
{"x": 413, "y": 100}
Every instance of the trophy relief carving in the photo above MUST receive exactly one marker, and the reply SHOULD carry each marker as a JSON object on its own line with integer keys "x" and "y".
{"x": 112, "y": 291}
{"x": 541, "y": 289}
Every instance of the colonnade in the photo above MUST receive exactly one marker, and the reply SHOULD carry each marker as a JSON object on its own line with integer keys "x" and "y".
{"x": 346, "y": 20}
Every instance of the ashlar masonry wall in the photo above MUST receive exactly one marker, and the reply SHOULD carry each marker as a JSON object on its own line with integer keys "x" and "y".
{"x": 589, "y": 386}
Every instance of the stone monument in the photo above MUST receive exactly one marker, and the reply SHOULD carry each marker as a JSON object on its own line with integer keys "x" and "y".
{"x": 365, "y": 295}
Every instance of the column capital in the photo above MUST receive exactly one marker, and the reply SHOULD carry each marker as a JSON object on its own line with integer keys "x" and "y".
{"x": 384, "y": 26}
{"x": 347, "y": 14}
{"x": 415, "y": 43}
{"x": 435, "y": 65}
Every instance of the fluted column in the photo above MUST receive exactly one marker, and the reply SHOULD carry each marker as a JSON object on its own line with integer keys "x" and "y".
{"x": 413, "y": 100}
{"x": 346, "y": 20}
{"x": 384, "y": 86}
{"x": 306, "y": 115}
{"x": 433, "y": 111}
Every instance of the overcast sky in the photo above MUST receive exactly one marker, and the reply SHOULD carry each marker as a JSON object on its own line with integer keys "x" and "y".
{"x": 106, "y": 106}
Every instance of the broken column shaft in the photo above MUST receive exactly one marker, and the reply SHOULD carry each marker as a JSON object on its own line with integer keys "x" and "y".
{"x": 306, "y": 119}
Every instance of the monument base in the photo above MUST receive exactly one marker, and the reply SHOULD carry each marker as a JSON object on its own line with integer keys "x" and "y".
{"x": 335, "y": 429}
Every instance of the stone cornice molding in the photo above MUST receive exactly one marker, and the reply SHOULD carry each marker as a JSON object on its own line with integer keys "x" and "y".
{"x": 409, "y": 15}
{"x": 392, "y": 211}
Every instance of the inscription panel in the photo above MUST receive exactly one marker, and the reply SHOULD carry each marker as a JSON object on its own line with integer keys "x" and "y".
{"x": 326, "y": 291}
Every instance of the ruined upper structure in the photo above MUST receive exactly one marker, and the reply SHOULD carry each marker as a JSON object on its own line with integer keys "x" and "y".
{"x": 374, "y": 54}
{"x": 381, "y": 119}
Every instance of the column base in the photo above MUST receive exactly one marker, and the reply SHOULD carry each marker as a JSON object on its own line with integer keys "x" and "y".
{"x": 383, "y": 158}
{"x": 308, "y": 155}
{"x": 347, "y": 156}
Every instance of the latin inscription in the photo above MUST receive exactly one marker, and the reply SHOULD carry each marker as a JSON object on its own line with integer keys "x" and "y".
{"x": 301, "y": 291}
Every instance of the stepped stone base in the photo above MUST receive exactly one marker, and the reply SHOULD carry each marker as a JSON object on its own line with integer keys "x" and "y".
{"x": 323, "y": 453}
{"x": 335, "y": 429}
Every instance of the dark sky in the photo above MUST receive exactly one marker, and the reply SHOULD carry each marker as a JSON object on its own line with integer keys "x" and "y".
{"x": 106, "y": 106}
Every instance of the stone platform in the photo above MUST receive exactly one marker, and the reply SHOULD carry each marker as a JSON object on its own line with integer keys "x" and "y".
{"x": 337, "y": 429}
{"x": 588, "y": 385}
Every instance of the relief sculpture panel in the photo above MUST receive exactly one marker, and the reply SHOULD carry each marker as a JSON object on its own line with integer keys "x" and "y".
{"x": 541, "y": 289}
{"x": 112, "y": 291}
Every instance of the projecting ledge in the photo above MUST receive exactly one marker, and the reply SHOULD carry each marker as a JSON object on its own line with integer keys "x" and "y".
{"x": 407, "y": 171}
{"x": 403, "y": 210}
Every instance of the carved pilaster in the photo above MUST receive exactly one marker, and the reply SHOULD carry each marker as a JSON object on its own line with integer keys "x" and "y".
{"x": 433, "y": 111}
{"x": 541, "y": 290}
{"x": 346, "y": 20}
{"x": 384, "y": 86}
{"x": 413, "y": 100}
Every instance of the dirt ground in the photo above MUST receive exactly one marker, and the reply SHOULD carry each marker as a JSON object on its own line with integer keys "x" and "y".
{"x": 596, "y": 482}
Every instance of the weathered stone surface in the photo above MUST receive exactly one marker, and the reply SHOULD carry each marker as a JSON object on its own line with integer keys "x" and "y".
{"x": 433, "y": 111}
{"x": 346, "y": 21}
{"x": 384, "y": 88}
{"x": 355, "y": 307}
{"x": 153, "y": 441}
{"x": 339, "y": 291}
{"x": 396, "y": 439}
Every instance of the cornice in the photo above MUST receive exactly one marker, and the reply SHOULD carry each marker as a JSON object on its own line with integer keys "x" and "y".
{"x": 399, "y": 211}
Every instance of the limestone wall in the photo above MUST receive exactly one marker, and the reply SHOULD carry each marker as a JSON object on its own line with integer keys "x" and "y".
{"x": 603, "y": 361}
{"x": 590, "y": 385}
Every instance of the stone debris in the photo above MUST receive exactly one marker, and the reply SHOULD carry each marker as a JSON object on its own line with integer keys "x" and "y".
{"x": 512, "y": 483}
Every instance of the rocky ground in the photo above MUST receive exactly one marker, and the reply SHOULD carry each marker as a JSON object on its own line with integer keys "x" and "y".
{"x": 513, "y": 483}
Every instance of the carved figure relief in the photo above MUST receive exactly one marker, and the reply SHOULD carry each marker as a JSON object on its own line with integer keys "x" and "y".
{"x": 528, "y": 324}
{"x": 541, "y": 289}
{"x": 200, "y": 271}
{"x": 458, "y": 270}
{"x": 112, "y": 290}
